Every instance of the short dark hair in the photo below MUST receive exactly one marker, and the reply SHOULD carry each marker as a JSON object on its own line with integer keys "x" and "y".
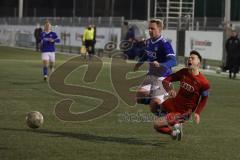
{"x": 197, "y": 54}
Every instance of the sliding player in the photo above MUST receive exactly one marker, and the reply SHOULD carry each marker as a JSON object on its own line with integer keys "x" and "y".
{"x": 191, "y": 97}
{"x": 48, "y": 40}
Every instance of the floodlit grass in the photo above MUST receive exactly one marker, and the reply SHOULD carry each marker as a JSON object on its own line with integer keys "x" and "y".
{"x": 111, "y": 137}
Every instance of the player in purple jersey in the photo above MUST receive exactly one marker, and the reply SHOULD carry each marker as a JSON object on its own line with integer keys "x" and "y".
{"x": 161, "y": 58}
{"x": 48, "y": 40}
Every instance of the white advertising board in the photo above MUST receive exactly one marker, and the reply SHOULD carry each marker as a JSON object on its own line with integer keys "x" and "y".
{"x": 208, "y": 43}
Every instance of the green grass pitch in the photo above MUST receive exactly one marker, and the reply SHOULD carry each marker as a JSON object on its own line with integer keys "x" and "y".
{"x": 22, "y": 89}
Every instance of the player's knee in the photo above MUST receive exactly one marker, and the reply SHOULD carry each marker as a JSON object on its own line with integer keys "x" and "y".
{"x": 158, "y": 124}
{"x": 156, "y": 101}
{"x": 45, "y": 63}
{"x": 153, "y": 107}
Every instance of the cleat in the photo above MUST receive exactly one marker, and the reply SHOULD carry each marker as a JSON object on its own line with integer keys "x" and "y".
{"x": 45, "y": 78}
{"x": 177, "y": 132}
{"x": 180, "y": 135}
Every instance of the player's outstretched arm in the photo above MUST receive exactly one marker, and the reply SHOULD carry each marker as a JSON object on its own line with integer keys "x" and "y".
{"x": 140, "y": 62}
{"x": 136, "y": 67}
{"x": 200, "y": 107}
{"x": 168, "y": 86}
{"x": 197, "y": 118}
{"x": 167, "y": 83}
{"x": 56, "y": 39}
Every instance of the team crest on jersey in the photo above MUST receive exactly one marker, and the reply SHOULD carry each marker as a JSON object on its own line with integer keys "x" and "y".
{"x": 151, "y": 55}
{"x": 155, "y": 48}
{"x": 187, "y": 87}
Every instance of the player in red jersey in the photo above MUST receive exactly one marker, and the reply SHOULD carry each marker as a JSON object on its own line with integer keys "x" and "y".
{"x": 191, "y": 97}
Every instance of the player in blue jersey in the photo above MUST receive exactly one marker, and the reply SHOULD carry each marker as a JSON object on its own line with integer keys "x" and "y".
{"x": 161, "y": 58}
{"x": 48, "y": 40}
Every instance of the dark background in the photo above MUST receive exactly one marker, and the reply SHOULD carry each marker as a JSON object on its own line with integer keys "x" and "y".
{"x": 63, "y": 8}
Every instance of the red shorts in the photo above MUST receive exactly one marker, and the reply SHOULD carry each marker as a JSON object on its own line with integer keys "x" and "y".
{"x": 170, "y": 106}
{"x": 173, "y": 110}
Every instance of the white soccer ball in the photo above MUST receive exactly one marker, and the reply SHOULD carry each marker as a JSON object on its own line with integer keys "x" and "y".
{"x": 34, "y": 119}
{"x": 218, "y": 70}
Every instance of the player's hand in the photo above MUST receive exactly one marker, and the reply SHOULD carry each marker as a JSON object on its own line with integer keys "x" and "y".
{"x": 197, "y": 118}
{"x": 51, "y": 40}
{"x": 172, "y": 93}
{"x": 156, "y": 64}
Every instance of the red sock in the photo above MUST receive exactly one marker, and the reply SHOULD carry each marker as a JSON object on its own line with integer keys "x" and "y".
{"x": 164, "y": 130}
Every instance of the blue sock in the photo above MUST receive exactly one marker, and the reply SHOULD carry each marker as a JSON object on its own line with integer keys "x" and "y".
{"x": 159, "y": 112}
{"x": 45, "y": 71}
{"x": 147, "y": 100}
{"x": 144, "y": 101}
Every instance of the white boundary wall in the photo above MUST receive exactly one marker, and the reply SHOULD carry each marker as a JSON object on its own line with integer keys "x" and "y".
{"x": 208, "y": 43}
{"x": 104, "y": 34}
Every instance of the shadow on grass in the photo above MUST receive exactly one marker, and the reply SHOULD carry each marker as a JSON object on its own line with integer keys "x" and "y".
{"x": 28, "y": 82}
{"x": 4, "y": 148}
{"x": 91, "y": 137}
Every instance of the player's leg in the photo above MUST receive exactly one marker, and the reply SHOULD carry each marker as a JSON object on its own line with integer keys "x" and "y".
{"x": 51, "y": 61}
{"x": 170, "y": 125}
{"x": 159, "y": 95}
{"x": 89, "y": 44}
{"x": 163, "y": 122}
{"x": 143, "y": 92}
{"x": 92, "y": 47}
{"x": 45, "y": 60}
{"x": 155, "y": 106}
{"x": 142, "y": 95}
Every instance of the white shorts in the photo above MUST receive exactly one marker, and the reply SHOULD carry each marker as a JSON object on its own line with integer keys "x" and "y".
{"x": 48, "y": 56}
{"x": 153, "y": 85}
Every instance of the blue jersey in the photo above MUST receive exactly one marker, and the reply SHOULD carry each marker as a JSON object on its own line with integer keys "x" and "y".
{"x": 46, "y": 45}
{"x": 159, "y": 50}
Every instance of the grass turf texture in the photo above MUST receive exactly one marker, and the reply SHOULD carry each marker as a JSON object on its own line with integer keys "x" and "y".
{"x": 22, "y": 90}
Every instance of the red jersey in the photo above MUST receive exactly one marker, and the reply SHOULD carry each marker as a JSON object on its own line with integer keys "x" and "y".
{"x": 193, "y": 91}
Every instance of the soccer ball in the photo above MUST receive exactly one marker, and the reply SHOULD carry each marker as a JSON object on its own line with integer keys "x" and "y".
{"x": 34, "y": 119}
{"x": 218, "y": 70}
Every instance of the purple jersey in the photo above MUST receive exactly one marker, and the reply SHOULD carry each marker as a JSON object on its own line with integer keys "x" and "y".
{"x": 48, "y": 46}
{"x": 159, "y": 50}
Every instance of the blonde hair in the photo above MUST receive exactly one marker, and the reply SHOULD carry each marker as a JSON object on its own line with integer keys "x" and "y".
{"x": 48, "y": 23}
{"x": 159, "y": 22}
